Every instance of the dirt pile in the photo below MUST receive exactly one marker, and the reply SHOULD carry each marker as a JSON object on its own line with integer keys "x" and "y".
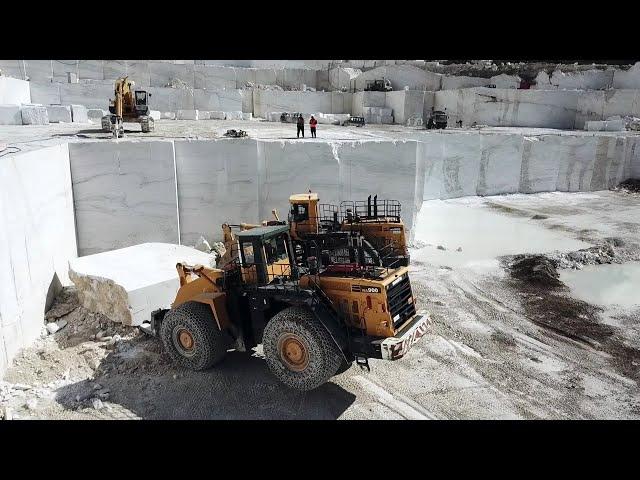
{"x": 536, "y": 269}
{"x": 68, "y": 370}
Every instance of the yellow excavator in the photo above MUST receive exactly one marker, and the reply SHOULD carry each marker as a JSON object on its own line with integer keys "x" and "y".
{"x": 128, "y": 105}
{"x": 319, "y": 292}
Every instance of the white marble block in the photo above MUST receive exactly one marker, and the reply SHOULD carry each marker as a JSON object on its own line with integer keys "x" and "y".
{"x": 96, "y": 114}
{"x": 234, "y": 115}
{"x": 79, "y": 114}
{"x": 204, "y": 115}
{"x": 127, "y": 284}
{"x": 187, "y": 114}
{"x": 247, "y": 116}
{"x": 34, "y": 115}
{"x": 10, "y": 115}
{"x": 59, "y": 113}
{"x": 168, "y": 115}
{"x": 155, "y": 114}
{"x": 216, "y": 115}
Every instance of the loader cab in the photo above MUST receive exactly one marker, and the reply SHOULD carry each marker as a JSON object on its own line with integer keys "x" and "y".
{"x": 266, "y": 255}
{"x": 303, "y": 215}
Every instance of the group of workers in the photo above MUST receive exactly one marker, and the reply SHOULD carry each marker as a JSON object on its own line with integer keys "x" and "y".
{"x": 312, "y": 125}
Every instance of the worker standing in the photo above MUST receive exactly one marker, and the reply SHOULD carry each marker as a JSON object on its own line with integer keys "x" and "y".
{"x": 312, "y": 123}
{"x": 300, "y": 126}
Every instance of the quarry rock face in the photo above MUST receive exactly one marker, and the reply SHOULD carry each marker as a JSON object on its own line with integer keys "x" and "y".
{"x": 127, "y": 284}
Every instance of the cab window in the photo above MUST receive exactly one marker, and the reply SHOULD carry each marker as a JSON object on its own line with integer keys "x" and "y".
{"x": 300, "y": 212}
{"x": 247, "y": 253}
{"x": 276, "y": 249}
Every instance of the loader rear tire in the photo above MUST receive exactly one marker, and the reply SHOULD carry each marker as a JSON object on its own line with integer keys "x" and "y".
{"x": 298, "y": 349}
{"x": 191, "y": 336}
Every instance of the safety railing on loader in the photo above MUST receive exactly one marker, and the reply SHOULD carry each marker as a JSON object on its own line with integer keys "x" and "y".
{"x": 370, "y": 210}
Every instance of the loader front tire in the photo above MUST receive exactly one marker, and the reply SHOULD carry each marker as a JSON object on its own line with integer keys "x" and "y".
{"x": 191, "y": 336}
{"x": 298, "y": 349}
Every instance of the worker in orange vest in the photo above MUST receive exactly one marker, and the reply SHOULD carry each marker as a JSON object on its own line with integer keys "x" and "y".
{"x": 312, "y": 123}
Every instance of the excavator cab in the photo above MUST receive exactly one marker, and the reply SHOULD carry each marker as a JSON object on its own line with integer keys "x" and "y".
{"x": 142, "y": 102}
{"x": 266, "y": 255}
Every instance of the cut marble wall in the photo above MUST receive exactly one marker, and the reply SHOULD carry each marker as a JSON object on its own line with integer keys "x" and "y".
{"x": 585, "y": 80}
{"x": 505, "y": 81}
{"x": 632, "y": 158}
{"x": 225, "y": 100}
{"x": 508, "y": 107}
{"x": 217, "y": 183}
{"x": 285, "y": 165}
{"x": 45, "y": 93}
{"x": 36, "y": 241}
{"x": 296, "y": 78}
{"x": 500, "y": 164}
{"x": 89, "y": 69}
{"x": 12, "y": 68}
{"x": 340, "y": 77}
{"x": 171, "y": 99}
{"x": 265, "y": 101}
{"x": 453, "y": 82}
{"x": 247, "y": 100}
{"x": 89, "y": 95}
{"x": 124, "y": 194}
{"x": 627, "y": 79}
{"x": 621, "y": 102}
{"x": 161, "y": 74}
{"x": 39, "y": 70}
{"x": 401, "y": 76}
{"x": 215, "y": 78}
{"x": 14, "y": 91}
{"x": 387, "y": 169}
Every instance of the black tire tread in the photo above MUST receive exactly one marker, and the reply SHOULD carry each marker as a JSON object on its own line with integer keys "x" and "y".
{"x": 325, "y": 357}
{"x": 211, "y": 343}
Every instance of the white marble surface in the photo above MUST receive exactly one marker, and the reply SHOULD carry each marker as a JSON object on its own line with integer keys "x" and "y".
{"x": 627, "y": 79}
{"x": 36, "y": 241}
{"x": 225, "y": 100}
{"x": 59, "y": 113}
{"x": 214, "y": 77}
{"x": 45, "y": 93}
{"x": 127, "y": 284}
{"x": 265, "y": 101}
{"x": 10, "y": 115}
{"x": 14, "y": 91}
{"x": 34, "y": 115}
{"x": 387, "y": 169}
{"x": 79, "y": 113}
{"x": 289, "y": 167}
{"x": 161, "y": 73}
{"x": 124, "y": 194}
{"x": 500, "y": 164}
{"x": 171, "y": 99}
{"x": 89, "y": 95}
{"x": 401, "y": 76}
{"x": 460, "y": 164}
{"x": 217, "y": 183}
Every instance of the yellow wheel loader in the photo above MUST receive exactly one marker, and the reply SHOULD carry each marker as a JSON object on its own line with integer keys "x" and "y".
{"x": 128, "y": 106}
{"x": 315, "y": 291}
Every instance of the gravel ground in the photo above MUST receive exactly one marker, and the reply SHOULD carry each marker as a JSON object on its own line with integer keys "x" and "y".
{"x": 499, "y": 347}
